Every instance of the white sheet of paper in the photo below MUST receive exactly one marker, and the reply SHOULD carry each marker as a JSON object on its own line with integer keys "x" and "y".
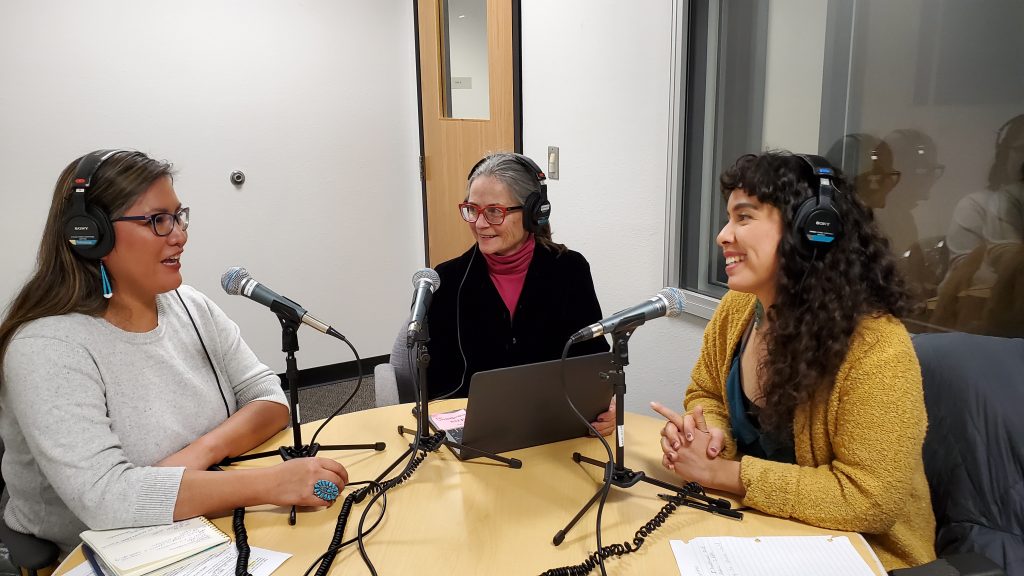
{"x": 262, "y": 562}
{"x": 769, "y": 556}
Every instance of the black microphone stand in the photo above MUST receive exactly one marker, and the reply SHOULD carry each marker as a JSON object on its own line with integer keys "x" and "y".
{"x": 621, "y": 476}
{"x": 419, "y": 339}
{"x": 289, "y": 345}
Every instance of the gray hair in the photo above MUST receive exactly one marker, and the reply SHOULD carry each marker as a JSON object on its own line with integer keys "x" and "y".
{"x": 507, "y": 168}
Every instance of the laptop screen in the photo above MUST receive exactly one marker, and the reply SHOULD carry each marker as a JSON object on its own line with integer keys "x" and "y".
{"x": 522, "y": 406}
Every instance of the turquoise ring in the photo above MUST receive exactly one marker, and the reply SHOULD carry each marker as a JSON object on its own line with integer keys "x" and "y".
{"x": 326, "y": 490}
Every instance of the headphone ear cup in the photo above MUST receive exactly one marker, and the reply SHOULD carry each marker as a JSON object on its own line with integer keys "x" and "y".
{"x": 530, "y": 212}
{"x": 817, "y": 225}
{"x": 536, "y": 212}
{"x": 543, "y": 213}
{"x": 90, "y": 234}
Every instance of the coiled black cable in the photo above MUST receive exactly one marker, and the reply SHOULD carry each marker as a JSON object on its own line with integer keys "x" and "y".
{"x": 346, "y": 542}
{"x": 339, "y": 530}
{"x": 616, "y": 550}
{"x": 241, "y": 543}
{"x": 419, "y": 450}
{"x": 426, "y": 446}
{"x": 377, "y": 490}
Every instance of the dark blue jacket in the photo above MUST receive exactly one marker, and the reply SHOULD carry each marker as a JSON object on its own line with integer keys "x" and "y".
{"x": 974, "y": 450}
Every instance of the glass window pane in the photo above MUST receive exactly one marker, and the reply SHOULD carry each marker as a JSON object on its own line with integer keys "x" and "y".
{"x": 920, "y": 102}
{"x": 933, "y": 115}
{"x": 465, "y": 70}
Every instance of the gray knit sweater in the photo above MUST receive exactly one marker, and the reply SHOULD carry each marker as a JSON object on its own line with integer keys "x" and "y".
{"x": 86, "y": 409}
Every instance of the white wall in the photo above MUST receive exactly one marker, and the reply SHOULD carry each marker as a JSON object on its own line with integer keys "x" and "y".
{"x": 315, "y": 101}
{"x": 596, "y": 84}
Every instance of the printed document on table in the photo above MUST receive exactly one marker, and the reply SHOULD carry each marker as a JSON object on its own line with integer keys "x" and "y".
{"x": 769, "y": 556}
{"x": 449, "y": 420}
{"x": 262, "y": 562}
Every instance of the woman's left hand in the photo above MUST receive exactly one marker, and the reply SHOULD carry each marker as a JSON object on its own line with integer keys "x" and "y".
{"x": 605, "y": 422}
{"x": 689, "y": 458}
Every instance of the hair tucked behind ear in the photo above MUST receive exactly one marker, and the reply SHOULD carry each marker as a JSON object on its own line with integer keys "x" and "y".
{"x": 63, "y": 282}
{"x": 504, "y": 167}
{"x": 821, "y": 296}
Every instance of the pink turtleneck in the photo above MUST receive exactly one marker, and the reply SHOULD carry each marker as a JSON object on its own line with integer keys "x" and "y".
{"x": 508, "y": 273}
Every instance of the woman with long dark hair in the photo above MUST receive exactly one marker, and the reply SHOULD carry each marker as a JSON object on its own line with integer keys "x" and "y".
{"x": 806, "y": 400}
{"x": 119, "y": 386}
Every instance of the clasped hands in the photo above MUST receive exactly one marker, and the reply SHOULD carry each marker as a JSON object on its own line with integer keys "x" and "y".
{"x": 690, "y": 449}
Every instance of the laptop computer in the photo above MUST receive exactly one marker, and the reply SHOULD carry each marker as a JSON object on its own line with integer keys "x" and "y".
{"x": 523, "y": 406}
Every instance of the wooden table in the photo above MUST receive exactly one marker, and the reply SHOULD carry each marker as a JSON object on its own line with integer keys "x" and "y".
{"x": 477, "y": 517}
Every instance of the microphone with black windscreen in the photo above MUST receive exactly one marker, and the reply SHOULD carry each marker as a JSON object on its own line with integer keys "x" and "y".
{"x": 668, "y": 302}
{"x": 237, "y": 282}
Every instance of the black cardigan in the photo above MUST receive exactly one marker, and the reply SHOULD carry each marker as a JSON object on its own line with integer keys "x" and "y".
{"x": 558, "y": 299}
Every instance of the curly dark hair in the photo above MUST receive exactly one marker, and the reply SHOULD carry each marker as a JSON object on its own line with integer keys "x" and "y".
{"x": 822, "y": 293}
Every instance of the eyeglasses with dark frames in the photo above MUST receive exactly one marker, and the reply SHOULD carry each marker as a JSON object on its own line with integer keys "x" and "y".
{"x": 162, "y": 223}
{"x": 934, "y": 172}
{"x": 891, "y": 177}
{"x": 492, "y": 214}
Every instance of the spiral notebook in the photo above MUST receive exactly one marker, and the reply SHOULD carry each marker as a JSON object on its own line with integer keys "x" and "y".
{"x": 153, "y": 550}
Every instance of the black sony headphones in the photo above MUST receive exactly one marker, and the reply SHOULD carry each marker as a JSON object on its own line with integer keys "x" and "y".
{"x": 87, "y": 228}
{"x": 537, "y": 208}
{"x": 817, "y": 221}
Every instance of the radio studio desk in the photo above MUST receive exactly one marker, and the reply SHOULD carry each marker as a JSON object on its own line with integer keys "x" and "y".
{"x": 478, "y": 517}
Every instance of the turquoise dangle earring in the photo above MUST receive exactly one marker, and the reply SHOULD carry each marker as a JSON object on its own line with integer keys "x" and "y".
{"x": 758, "y": 314}
{"x": 108, "y": 291}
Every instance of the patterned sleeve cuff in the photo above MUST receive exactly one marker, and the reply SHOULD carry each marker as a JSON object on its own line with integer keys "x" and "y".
{"x": 157, "y": 496}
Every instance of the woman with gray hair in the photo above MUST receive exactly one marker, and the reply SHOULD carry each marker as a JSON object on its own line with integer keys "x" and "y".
{"x": 516, "y": 296}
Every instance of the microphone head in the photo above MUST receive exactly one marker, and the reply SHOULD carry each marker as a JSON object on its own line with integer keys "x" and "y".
{"x": 427, "y": 274}
{"x": 676, "y": 300}
{"x": 232, "y": 280}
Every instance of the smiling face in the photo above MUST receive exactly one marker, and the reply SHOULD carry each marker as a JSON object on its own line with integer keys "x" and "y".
{"x": 500, "y": 239}
{"x": 750, "y": 244}
{"x": 143, "y": 264}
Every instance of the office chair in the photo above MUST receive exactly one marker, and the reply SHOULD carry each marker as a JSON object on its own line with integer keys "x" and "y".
{"x": 393, "y": 382}
{"x": 973, "y": 454}
{"x": 33, "y": 556}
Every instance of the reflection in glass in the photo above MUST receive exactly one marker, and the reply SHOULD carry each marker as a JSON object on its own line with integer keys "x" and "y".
{"x": 465, "y": 74}
{"x": 919, "y": 103}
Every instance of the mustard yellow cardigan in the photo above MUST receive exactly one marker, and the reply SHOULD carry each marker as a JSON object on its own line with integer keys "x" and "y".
{"x": 858, "y": 445}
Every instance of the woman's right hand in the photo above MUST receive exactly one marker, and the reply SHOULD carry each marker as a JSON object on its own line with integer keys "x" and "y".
{"x": 291, "y": 482}
{"x": 682, "y": 429}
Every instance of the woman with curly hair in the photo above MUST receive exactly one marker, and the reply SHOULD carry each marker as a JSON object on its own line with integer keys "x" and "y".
{"x": 806, "y": 400}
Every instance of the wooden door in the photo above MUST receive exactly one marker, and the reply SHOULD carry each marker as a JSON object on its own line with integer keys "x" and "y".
{"x": 451, "y": 146}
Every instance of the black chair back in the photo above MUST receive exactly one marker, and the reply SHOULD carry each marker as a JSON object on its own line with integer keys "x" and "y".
{"x": 974, "y": 449}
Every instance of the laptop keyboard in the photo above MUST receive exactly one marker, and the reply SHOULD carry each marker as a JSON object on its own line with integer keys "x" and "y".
{"x": 455, "y": 434}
